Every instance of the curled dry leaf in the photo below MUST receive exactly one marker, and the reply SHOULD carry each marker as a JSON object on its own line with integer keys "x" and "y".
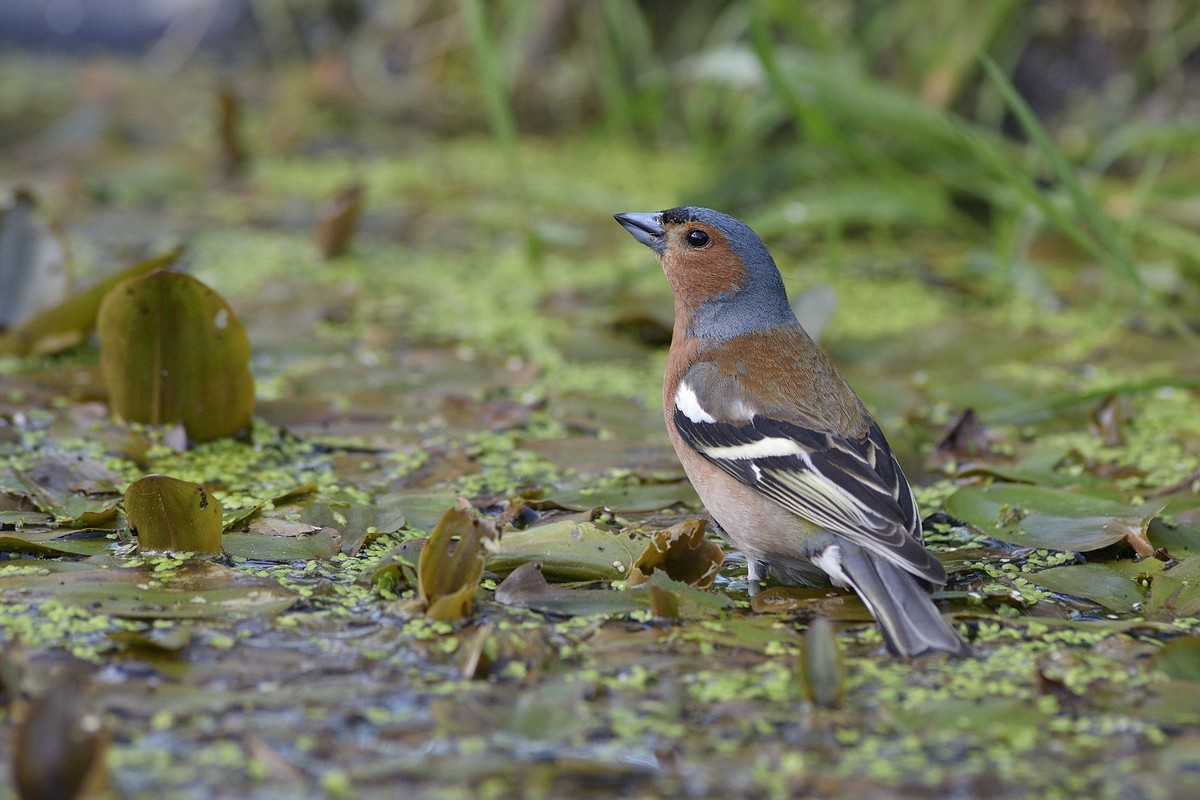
{"x": 683, "y": 553}
{"x": 170, "y": 514}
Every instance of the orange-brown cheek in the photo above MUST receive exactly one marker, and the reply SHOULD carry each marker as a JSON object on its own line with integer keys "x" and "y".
{"x": 703, "y": 275}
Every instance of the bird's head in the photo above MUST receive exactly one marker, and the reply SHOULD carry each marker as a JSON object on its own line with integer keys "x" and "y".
{"x": 723, "y": 278}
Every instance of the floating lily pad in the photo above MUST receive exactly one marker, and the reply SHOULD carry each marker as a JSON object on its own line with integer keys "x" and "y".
{"x": 170, "y": 514}
{"x": 1039, "y": 517}
{"x": 173, "y": 351}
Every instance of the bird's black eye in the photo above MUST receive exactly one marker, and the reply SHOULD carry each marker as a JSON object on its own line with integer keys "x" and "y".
{"x": 697, "y": 238}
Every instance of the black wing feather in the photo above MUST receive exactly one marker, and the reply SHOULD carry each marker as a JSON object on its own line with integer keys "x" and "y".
{"x": 850, "y": 487}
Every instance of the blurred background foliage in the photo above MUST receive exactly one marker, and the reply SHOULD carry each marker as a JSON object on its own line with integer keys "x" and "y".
{"x": 819, "y": 120}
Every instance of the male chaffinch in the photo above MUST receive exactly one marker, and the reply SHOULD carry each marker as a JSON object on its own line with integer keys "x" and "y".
{"x": 780, "y": 449}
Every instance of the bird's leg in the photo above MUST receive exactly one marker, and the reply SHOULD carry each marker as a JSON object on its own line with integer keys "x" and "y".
{"x": 756, "y": 572}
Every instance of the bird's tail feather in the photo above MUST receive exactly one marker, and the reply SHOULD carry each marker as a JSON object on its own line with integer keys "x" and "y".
{"x": 911, "y": 623}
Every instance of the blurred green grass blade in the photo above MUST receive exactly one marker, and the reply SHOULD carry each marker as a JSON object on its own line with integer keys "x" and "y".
{"x": 1114, "y": 256}
{"x": 1105, "y": 243}
{"x": 490, "y": 77}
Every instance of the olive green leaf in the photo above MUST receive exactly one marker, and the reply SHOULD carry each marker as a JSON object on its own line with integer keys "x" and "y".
{"x": 568, "y": 551}
{"x": 1041, "y": 517}
{"x": 170, "y": 514}
{"x": 451, "y": 565}
{"x": 172, "y": 351}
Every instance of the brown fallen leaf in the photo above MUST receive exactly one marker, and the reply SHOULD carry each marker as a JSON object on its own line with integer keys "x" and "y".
{"x": 964, "y": 439}
{"x": 231, "y": 153}
{"x": 59, "y": 749}
{"x": 1134, "y": 530}
{"x": 683, "y": 553}
{"x": 336, "y": 221}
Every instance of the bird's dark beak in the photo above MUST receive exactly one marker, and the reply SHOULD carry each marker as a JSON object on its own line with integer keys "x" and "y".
{"x": 646, "y": 228}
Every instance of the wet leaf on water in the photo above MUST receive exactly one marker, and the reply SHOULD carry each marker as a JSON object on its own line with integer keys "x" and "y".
{"x": 1180, "y": 658}
{"x": 58, "y": 752}
{"x": 631, "y": 499}
{"x": 336, "y": 221}
{"x": 683, "y": 553}
{"x": 422, "y": 509}
{"x": 43, "y": 541}
{"x": 34, "y": 274}
{"x": 568, "y": 551}
{"x": 69, "y": 323}
{"x": 1041, "y": 517}
{"x": 320, "y": 545}
{"x": 824, "y": 601}
{"x": 1175, "y": 592}
{"x": 1118, "y": 586}
{"x": 193, "y": 590}
{"x": 164, "y": 640}
{"x": 663, "y": 604}
{"x": 451, "y": 565}
{"x": 526, "y": 587}
{"x": 172, "y": 350}
{"x": 78, "y": 491}
{"x": 1179, "y": 541}
{"x": 820, "y": 666}
{"x": 170, "y": 514}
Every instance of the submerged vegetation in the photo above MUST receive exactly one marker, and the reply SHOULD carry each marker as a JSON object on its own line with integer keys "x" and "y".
{"x": 1008, "y": 269}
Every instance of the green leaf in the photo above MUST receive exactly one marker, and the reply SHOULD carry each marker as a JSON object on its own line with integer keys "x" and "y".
{"x": 170, "y": 514}
{"x": 194, "y": 590}
{"x": 568, "y": 551}
{"x": 172, "y": 351}
{"x": 1040, "y": 517}
{"x": 1118, "y": 586}
{"x": 1180, "y": 659}
{"x": 451, "y": 565}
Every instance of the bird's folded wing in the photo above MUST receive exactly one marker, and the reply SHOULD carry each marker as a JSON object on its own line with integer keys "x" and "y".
{"x": 850, "y": 487}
